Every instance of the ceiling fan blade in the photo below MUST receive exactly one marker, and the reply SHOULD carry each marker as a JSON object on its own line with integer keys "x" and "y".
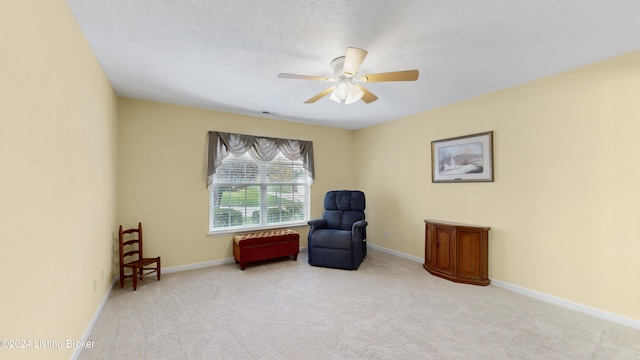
{"x": 320, "y": 95}
{"x": 407, "y": 75}
{"x": 352, "y": 60}
{"x": 368, "y": 96}
{"x": 303, "y": 77}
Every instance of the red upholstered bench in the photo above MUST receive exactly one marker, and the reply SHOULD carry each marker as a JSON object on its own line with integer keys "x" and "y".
{"x": 263, "y": 245}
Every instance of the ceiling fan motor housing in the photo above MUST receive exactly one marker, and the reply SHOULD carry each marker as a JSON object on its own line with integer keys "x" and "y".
{"x": 338, "y": 66}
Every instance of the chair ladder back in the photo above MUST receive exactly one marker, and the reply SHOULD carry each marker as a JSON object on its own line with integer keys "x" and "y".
{"x": 131, "y": 253}
{"x": 132, "y": 241}
{"x": 135, "y": 249}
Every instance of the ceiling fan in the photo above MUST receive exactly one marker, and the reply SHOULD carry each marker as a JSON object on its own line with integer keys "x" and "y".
{"x": 345, "y": 69}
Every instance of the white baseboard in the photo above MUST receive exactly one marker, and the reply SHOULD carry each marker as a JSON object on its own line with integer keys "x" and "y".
{"x": 95, "y": 317}
{"x": 396, "y": 253}
{"x": 535, "y": 294}
{"x": 205, "y": 264}
{"x": 568, "y": 304}
{"x": 200, "y": 265}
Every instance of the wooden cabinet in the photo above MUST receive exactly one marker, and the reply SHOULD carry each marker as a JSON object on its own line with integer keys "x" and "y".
{"x": 457, "y": 252}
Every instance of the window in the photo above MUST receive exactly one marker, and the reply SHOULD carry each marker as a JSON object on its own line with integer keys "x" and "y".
{"x": 257, "y": 182}
{"x": 247, "y": 193}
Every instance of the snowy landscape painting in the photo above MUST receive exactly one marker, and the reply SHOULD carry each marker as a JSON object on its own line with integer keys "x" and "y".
{"x": 464, "y": 158}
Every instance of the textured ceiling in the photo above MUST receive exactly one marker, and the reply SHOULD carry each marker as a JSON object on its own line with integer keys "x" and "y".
{"x": 226, "y": 54}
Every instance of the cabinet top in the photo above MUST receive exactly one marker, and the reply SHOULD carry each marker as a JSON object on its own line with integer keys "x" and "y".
{"x": 453, "y": 223}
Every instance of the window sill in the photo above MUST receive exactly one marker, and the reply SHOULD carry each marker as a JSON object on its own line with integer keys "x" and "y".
{"x": 226, "y": 232}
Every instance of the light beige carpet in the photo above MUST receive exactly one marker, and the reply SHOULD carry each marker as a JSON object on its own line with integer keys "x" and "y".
{"x": 390, "y": 308}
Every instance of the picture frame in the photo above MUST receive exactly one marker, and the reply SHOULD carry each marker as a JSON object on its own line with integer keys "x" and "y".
{"x": 466, "y": 158}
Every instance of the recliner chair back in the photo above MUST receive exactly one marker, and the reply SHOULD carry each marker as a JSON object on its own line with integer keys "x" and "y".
{"x": 343, "y": 208}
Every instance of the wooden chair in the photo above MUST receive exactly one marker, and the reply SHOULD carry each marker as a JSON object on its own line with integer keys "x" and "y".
{"x": 132, "y": 247}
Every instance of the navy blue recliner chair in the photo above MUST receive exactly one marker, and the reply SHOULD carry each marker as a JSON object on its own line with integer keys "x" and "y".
{"x": 339, "y": 239}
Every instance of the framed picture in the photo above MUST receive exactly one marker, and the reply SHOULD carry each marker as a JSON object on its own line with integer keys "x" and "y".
{"x": 463, "y": 159}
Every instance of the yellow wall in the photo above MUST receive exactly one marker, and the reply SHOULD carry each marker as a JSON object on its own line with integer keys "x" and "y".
{"x": 57, "y": 177}
{"x": 162, "y": 173}
{"x": 564, "y": 207}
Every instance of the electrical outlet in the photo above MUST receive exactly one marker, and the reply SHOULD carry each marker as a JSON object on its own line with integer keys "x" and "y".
{"x": 386, "y": 234}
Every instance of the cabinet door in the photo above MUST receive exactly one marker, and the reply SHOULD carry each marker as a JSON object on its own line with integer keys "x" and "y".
{"x": 470, "y": 250}
{"x": 429, "y": 246}
{"x": 443, "y": 247}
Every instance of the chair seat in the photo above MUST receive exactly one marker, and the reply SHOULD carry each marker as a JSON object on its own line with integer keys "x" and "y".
{"x": 332, "y": 239}
{"x": 141, "y": 262}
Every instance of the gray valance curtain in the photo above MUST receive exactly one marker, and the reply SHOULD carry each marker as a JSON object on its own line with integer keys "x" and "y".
{"x": 260, "y": 148}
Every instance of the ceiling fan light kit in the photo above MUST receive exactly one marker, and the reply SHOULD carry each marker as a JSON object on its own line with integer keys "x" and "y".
{"x": 345, "y": 69}
{"x": 346, "y": 92}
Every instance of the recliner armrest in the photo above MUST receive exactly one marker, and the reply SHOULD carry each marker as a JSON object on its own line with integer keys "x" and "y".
{"x": 359, "y": 224}
{"x": 319, "y": 223}
{"x": 316, "y": 224}
{"x": 358, "y": 230}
